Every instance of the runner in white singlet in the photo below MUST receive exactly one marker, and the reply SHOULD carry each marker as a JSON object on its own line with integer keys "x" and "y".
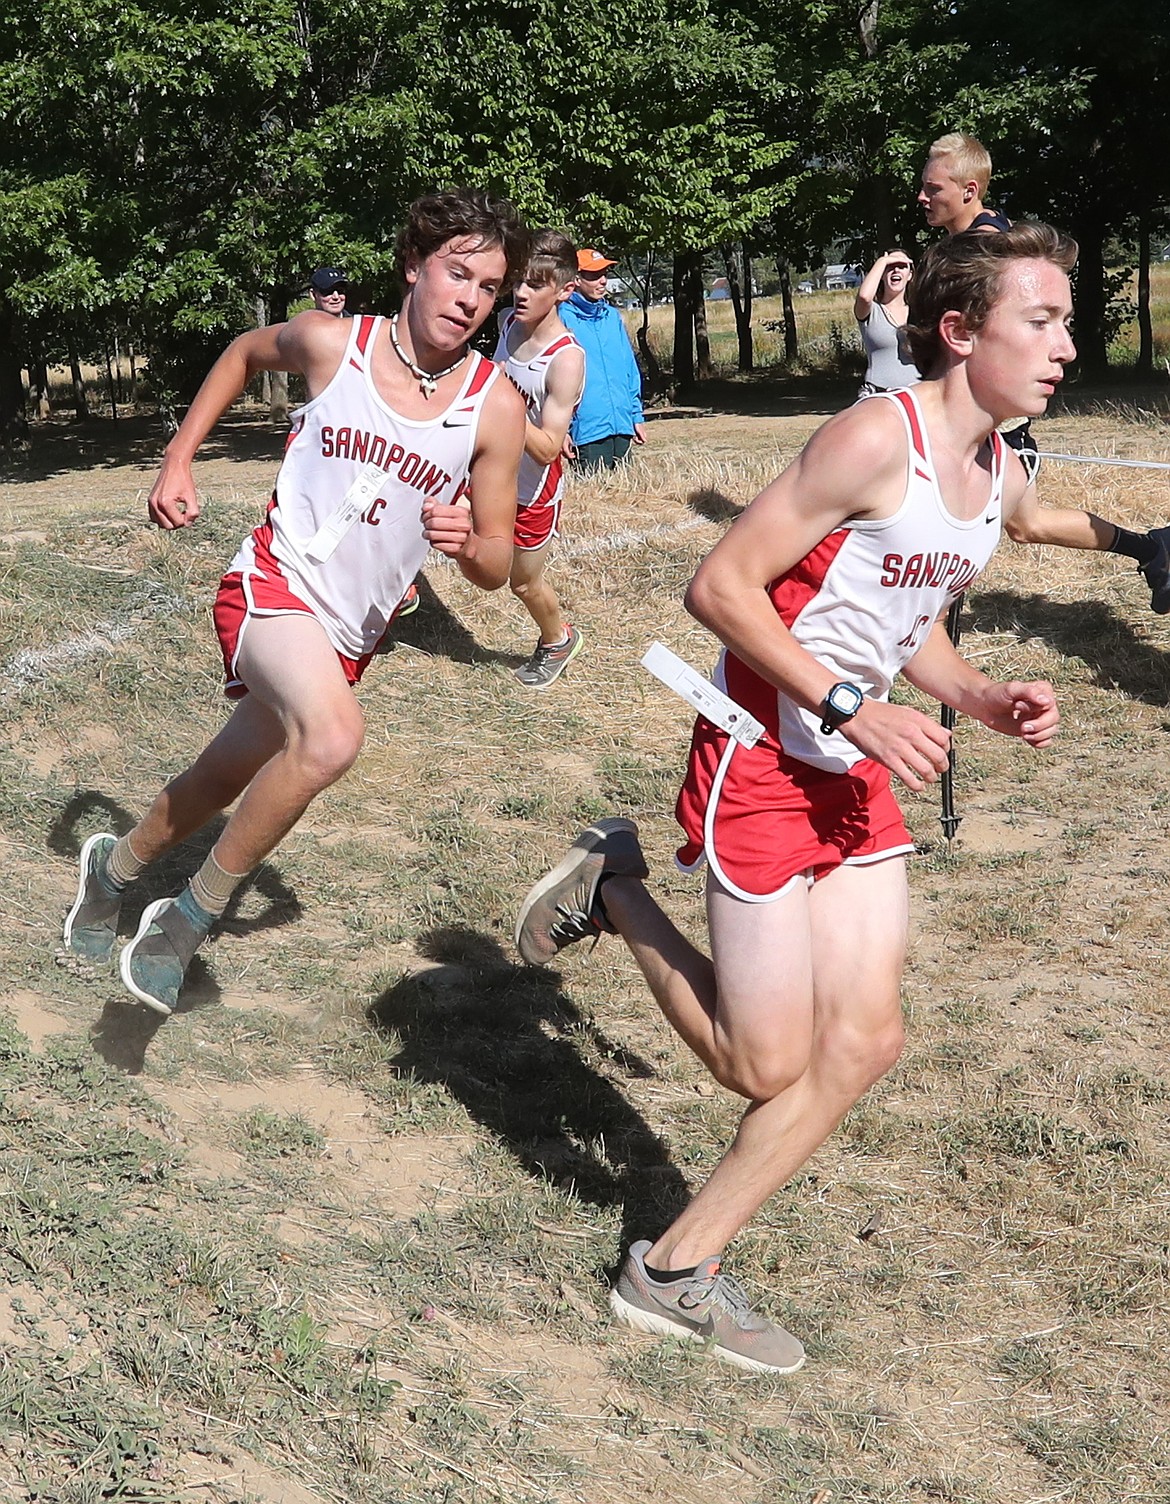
{"x": 954, "y": 182}
{"x": 838, "y": 575}
{"x": 545, "y": 362}
{"x": 403, "y": 422}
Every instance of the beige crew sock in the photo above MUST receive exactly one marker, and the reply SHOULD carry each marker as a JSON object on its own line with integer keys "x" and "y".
{"x": 212, "y": 887}
{"x": 122, "y": 866}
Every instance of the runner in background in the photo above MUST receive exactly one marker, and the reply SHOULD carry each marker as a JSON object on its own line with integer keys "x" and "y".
{"x": 546, "y": 363}
{"x": 954, "y": 182}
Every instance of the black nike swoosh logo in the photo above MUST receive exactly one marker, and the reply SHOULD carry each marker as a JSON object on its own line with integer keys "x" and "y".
{"x": 990, "y": 520}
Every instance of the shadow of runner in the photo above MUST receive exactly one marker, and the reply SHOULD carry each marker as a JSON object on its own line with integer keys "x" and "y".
{"x": 504, "y": 1040}
{"x": 1089, "y": 630}
{"x": 435, "y": 630}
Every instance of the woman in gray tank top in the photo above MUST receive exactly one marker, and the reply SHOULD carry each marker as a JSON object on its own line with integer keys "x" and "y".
{"x": 880, "y": 309}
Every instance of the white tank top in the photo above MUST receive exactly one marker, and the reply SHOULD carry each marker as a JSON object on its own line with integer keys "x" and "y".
{"x": 343, "y": 431}
{"x": 864, "y": 599}
{"x": 538, "y": 485}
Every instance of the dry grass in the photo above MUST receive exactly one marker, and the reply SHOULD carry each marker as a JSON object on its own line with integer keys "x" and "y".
{"x": 341, "y": 1230}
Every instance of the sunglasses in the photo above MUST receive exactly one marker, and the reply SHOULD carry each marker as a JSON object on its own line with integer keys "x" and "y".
{"x": 591, "y": 276}
{"x": 898, "y": 266}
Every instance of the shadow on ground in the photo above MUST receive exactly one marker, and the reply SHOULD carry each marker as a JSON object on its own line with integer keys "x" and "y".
{"x": 508, "y": 1043}
{"x": 125, "y": 1029}
{"x": 435, "y": 630}
{"x": 714, "y": 506}
{"x": 60, "y": 447}
{"x": 1089, "y": 630}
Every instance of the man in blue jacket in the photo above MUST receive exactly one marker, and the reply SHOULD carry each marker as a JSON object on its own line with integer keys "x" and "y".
{"x": 609, "y": 417}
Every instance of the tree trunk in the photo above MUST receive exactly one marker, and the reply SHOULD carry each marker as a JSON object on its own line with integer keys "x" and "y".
{"x": 684, "y": 324}
{"x": 1145, "y": 360}
{"x": 1090, "y": 300}
{"x": 133, "y": 378}
{"x": 748, "y": 294}
{"x": 261, "y": 323}
{"x": 741, "y": 307}
{"x": 80, "y": 405}
{"x": 110, "y": 384}
{"x": 38, "y": 381}
{"x": 882, "y": 208}
{"x": 13, "y": 422}
{"x": 278, "y": 402}
{"x": 649, "y": 359}
{"x": 791, "y": 343}
{"x": 702, "y": 340}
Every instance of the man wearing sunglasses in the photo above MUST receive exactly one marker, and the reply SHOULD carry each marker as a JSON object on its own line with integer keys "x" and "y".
{"x": 609, "y": 416}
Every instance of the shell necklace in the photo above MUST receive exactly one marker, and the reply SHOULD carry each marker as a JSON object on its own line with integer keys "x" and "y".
{"x": 426, "y": 381}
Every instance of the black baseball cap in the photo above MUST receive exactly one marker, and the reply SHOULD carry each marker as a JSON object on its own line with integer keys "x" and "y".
{"x": 328, "y": 279}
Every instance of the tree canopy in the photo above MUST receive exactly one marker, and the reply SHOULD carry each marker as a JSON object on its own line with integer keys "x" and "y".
{"x": 163, "y": 168}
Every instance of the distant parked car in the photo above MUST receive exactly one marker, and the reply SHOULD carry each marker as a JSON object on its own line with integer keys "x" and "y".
{"x": 805, "y": 287}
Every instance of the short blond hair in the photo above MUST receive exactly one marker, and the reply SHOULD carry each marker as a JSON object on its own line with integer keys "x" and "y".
{"x": 967, "y": 160}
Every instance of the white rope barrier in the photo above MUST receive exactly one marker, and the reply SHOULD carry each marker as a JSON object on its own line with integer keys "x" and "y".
{"x": 1096, "y": 459}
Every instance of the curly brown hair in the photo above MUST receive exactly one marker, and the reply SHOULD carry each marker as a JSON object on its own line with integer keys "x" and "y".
{"x": 458, "y": 214}
{"x": 963, "y": 274}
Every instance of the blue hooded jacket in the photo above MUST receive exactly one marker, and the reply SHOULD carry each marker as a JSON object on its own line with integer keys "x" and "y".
{"x": 612, "y": 400}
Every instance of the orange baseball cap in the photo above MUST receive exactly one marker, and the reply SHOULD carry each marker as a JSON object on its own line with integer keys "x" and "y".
{"x": 590, "y": 260}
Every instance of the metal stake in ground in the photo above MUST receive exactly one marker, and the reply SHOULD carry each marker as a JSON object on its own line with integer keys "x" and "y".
{"x": 947, "y": 817}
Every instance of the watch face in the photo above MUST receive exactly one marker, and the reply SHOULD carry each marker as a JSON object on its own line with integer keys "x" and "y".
{"x": 844, "y": 699}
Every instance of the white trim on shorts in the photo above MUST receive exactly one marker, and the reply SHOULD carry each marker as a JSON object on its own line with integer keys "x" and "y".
{"x": 807, "y": 875}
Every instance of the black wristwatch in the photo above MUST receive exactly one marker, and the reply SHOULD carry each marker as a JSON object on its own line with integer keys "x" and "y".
{"x": 841, "y": 704}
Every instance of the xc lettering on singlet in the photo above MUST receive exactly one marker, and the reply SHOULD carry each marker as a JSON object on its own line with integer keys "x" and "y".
{"x": 912, "y": 636}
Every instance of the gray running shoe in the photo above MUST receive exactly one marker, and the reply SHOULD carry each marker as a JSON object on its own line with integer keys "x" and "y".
{"x": 155, "y": 962}
{"x": 1157, "y": 571}
{"x": 547, "y": 664}
{"x": 561, "y": 908}
{"x": 706, "y": 1306}
{"x": 91, "y": 925}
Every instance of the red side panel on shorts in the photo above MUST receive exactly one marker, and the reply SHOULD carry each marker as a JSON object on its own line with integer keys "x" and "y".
{"x": 760, "y": 817}
{"x": 552, "y": 479}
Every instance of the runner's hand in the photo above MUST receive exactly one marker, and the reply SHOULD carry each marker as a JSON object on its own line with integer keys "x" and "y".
{"x": 446, "y": 528}
{"x": 912, "y": 745}
{"x": 172, "y": 502}
{"x": 1028, "y": 711}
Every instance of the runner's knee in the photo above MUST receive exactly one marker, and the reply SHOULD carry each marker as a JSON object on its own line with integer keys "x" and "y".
{"x": 324, "y": 753}
{"x": 855, "y": 1058}
{"x": 760, "y": 1071}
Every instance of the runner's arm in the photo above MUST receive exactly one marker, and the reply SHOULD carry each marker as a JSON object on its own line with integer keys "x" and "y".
{"x": 1026, "y": 521}
{"x": 566, "y": 380}
{"x": 817, "y": 493}
{"x": 276, "y": 347}
{"x": 479, "y": 539}
{"x": 1026, "y": 710}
